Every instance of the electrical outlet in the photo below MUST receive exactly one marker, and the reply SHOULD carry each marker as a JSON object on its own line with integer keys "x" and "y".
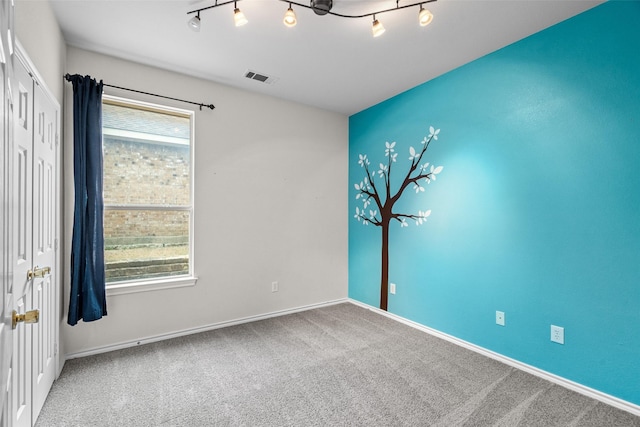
{"x": 392, "y": 288}
{"x": 274, "y": 286}
{"x": 557, "y": 334}
{"x": 500, "y": 318}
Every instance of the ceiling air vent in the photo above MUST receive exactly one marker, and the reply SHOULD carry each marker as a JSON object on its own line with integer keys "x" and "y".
{"x": 260, "y": 77}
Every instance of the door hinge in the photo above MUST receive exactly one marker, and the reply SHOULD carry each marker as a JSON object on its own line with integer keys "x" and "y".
{"x": 55, "y": 245}
{"x": 55, "y": 349}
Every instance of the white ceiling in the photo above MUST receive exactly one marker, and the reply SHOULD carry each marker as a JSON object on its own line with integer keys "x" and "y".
{"x": 325, "y": 61}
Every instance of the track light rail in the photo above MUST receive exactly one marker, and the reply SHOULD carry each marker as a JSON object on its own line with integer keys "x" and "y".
{"x": 216, "y": 4}
{"x": 67, "y": 77}
{"x": 328, "y": 12}
{"x": 342, "y": 15}
{"x": 320, "y": 7}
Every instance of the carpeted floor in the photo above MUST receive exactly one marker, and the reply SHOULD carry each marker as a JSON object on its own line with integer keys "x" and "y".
{"x": 341, "y": 365}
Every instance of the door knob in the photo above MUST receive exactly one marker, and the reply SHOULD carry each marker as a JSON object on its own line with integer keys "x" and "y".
{"x": 29, "y": 317}
{"x": 38, "y": 272}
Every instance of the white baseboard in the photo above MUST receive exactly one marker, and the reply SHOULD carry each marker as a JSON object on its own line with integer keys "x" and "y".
{"x": 162, "y": 337}
{"x": 571, "y": 385}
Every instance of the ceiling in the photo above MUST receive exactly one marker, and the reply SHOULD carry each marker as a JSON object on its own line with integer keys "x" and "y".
{"x": 325, "y": 61}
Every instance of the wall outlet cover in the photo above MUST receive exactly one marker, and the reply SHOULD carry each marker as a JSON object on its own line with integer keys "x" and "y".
{"x": 557, "y": 334}
{"x": 500, "y": 320}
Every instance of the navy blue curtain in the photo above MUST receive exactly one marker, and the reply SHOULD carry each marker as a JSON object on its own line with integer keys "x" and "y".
{"x": 87, "y": 300}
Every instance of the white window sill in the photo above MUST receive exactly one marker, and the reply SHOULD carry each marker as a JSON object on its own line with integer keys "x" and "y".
{"x": 150, "y": 285}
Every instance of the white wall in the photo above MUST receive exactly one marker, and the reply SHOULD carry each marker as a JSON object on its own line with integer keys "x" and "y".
{"x": 270, "y": 194}
{"x": 39, "y": 33}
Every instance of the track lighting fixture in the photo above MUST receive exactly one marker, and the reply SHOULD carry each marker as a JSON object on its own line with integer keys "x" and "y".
{"x": 238, "y": 16}
{"x": 377, "y": 29}
{"x": 194, "y": 23}
{"x": 320, "y": 7}
{"x": 424, "y": 17}
{"x": 290, "y": 17}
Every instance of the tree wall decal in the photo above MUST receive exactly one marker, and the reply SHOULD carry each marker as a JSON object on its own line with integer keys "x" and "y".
{"x": 383, "y": 198}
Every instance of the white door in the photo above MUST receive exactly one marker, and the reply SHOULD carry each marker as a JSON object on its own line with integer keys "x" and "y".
{"x": 22, "y": 244}
{"x": 35, "y": 291}
{"x": 29, "y": 126}
{"x": 44, "y": 288}
{"x": 6, "y": 302}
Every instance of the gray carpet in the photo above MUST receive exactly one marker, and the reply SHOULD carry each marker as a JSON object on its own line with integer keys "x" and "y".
{"x": 335, "y": 366}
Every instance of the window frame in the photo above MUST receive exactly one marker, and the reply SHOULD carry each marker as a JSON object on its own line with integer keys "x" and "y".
{"x": 167, "y": 282}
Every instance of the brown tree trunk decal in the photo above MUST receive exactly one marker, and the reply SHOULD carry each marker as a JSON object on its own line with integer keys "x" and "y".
{"x": 384, "y": 276}
{"x": 381, "y": 196}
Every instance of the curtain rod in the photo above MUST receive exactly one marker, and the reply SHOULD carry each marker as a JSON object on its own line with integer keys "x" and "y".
{"x": 67, "y": 77}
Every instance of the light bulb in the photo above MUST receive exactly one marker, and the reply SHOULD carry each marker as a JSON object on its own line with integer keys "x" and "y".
{"x": 194, "y": 23}
{"x": 290, "y": 18}
{"x": 425, "y": 17}
{"x": 377, "y": 29}
{"x": 239, "y": 18}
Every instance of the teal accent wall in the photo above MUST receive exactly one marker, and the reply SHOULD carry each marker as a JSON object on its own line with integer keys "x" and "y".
{"x": 537, "y": 210}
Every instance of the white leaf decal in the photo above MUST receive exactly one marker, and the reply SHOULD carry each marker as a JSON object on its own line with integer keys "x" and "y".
{"x": 438, "y": 169}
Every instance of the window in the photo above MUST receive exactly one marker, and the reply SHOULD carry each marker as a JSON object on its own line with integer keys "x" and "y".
{"x": 148, "y": 197}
